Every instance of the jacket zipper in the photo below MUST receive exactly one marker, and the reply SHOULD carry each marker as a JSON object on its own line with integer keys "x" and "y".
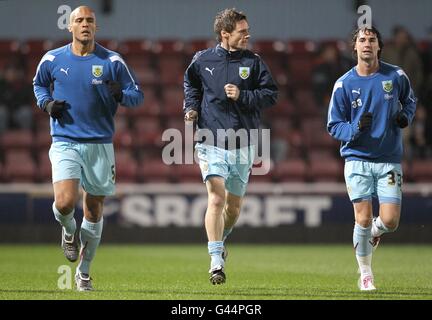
{"x": 226, "y": 81}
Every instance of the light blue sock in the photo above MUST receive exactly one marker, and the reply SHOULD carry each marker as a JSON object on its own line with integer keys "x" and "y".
{"x": 226, "y": 233}
{"x": 361, "y": 237}
{"x": 90, "y": 236}
{"x": 215, "y": 249}
{"x": 67, "y": 221}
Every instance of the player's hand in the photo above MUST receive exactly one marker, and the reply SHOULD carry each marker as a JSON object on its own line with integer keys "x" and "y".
{"x": 191, "y": 115}
{"x": 365, "y": 121}
{"x": 401, "y": 120}
{"x": 55, "y": 108}
{"x": 232, "y": 91}
{"x": 115, "y": 89}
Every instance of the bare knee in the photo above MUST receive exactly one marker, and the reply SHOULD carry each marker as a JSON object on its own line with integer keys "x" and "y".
{"x": 66, "y": 195}
{"x": 216, "y": 201}
{"x": 364, "y": 221}
{"x": 390, "y": 215}
{"x": 391, "y": 223}
{"x": 65, "y": 202}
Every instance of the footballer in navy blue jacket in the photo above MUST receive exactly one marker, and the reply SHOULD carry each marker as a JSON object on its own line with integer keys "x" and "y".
{"x": 370, "y": 106}
{"x": 226, "y": 89}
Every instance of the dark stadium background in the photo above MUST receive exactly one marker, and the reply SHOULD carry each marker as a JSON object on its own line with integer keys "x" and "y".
{"x": 302, "y": 199}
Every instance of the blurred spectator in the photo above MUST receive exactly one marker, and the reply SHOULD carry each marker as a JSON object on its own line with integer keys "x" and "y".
{"x": 15, "y": 98}
{"x": 325, "y": 73}
{"x": 420, "y": 147}
{"x": 402, "y": 51}
{"x": 426, "y": 95}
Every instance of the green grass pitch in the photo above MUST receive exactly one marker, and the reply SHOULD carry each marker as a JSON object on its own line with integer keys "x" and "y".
{"x": 254, "y": 272}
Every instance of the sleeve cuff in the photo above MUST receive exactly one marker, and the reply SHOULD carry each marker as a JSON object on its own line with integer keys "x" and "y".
{"x": 189, "y": 109}
{"x": 355, "y": 131}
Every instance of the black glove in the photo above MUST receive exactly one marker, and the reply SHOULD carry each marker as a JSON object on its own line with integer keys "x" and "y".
{"x": 115, "y": 89}
{"x": 401, "y": 120}
{"x": 55, "y": 108}
{"x": 365, "y": 121}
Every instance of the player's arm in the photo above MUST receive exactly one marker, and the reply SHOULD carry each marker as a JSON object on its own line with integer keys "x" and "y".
{"x": 42, "y": 82}
{"x": 265, "y": 93}
{"x": 338, "y": 124}
{"x": 41, "y": 87}
{"x": 124, "y": 89}
{"x": 408, "y": 101}
{"x": 193, "y": 92}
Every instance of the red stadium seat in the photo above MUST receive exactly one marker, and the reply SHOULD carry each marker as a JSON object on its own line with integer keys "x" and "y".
{"x": 9, "y": 49}
{"x": 300, "y": 47}
{"x": 196, "y": 45}
{"x": 145, "y": 74}
{"x": 126, "y": 166}
{"x": 284, "y": 108}
{"x": 44, "y": 172}
{"x": 123, "y": 138}
{"x": 172, "y": 101}
{"x": 138, "y": 55}
{"x": 62, "y": 42}
{"x": 316, "y": 135}
{"x": 268, "y": 47}
{"x": 273, "y": 54}
{"x": 154, "y": 170}
{"x": 330, "y": 170}
{"x": 171, "y": 61}
{"x": 146, "y": 132}
{"x": 37, "y": 47}
{"x": 291, "y": 170}
{"x": 168, "y": 47}
{"x": 186, "y": 173}
{"x": 34, "y": 50}
{"x": 42, "y": 140}
{"x": 109, "y": 44}
{"x": 306, "y": 104}
{"x": 340, "y": 45}
{"x": 17, "y": 139}
{"x": 421, "y": 170}
{"x": 8, "y": 46}
{"x": 135, "y": 47}
{"x": 175, "y": 122}
{"x": 152, "y": 103}
{"x": 19, "y": 167}
{"x": 300, "y": 62}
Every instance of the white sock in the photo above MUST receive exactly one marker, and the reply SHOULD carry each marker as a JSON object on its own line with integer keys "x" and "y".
{"x": 365, "y": 264}
{"x": 379, "y": 228}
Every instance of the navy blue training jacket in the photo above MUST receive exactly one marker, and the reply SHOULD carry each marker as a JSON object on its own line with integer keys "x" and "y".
{"x": 204, "y": 81}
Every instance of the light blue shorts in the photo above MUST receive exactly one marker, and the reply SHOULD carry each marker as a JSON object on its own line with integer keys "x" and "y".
{"x": 232, "y": 165}
{"x": 365, "y": 180}
{"x": 93, "y": 164}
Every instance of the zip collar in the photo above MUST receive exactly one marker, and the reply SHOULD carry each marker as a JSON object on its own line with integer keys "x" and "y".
{"x": 222, "y": 52}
